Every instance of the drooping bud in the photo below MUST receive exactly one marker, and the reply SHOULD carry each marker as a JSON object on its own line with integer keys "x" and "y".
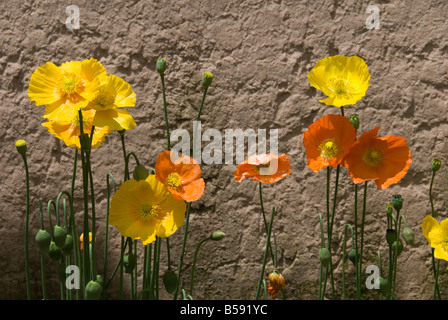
{"x": 354, "y": 120}
{"x": 397, "y": 202}
{"x": 383, "y": 285}
{"x": 217, "y": 236}
{"x": 391, "y": 236}
{"x": 276, "y": 283}
{"x": 43, "y": 239}
{"x": 93, "y": 290}
{"x": 352, "y": 256}
{"x": 68, "y": 246}
{"x": 59, "y": 234}
{"x": 54, "y": 252}
{"x": 170, "y": 281}
{"x": 21, "y": 147}
{"x": 140, "y": 173}
{"x": 129, "y": 262}
{"x": 397, "y": 247}
{"x": 408, "y": 235}
{"x": 325, "y": 257}
{"x": 161, "y": 65}
{"x": 207, "y": 79}
{"x": 436, "y": 164}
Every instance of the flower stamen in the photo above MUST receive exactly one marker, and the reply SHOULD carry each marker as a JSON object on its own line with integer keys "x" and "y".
{"x": 148, "y": 211}
{"x": 372, "y": 157}
{"x": 174, "y": 180}
{"x": 329, "y": 149}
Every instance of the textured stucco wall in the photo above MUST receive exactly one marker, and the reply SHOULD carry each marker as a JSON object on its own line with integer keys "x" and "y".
{"x": 260, "y": 53}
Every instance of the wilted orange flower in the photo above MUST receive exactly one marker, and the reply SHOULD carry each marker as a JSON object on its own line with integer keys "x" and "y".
{"x": 383, "y": 159}
{"x": 328, "y": 140}
{"x": 276, "y": 283}
{"x": 266, "y": 168}
{"x": 181, "y": 176}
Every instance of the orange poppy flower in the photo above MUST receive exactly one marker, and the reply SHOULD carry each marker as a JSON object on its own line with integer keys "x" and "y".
{"x": 182, "y": 176}
{"x": 383, "y": 159}
{"x": 266, "y": 168}
{"x": 328, "y": 140}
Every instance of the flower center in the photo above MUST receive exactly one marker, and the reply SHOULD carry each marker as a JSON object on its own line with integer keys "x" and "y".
{"x": 71, "y": 84}
{"x": 341, "y": 87}
{"x": 148, "y": 211}
{"x": 372, "y": 157}
{"x": 104, "y": 100}
{"x": 329, "y": 149}
{"x": 174, "y": 180}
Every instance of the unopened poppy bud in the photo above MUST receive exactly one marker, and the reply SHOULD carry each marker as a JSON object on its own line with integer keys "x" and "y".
{"x": 352, "y": 256}
{"x": 140, "y": 173}
{"x": 207, "y": 79}
{"x": 276, "y": 283}
{"x": 217, "y": 235}
{"x": 389, "y": 209}
{"x": 93, "y": 290}
{"x": 383, "y": 285}
{"x": 354, "y": 120}
{"x": 43, "y": 239}
{"x": 99, "y": 279}
{"x": 170, "y": 281}
{"x": 161, "y": 65}
{"x": 397, "y": 202}
{"x": 85, "y": 142}
{"x": 129, "y": 261}
{"x": 408, "y": 235}
{"x": 68, "y": 245}
{"x": 397, "y": 247}
{"x": 436, "y": 164}
{"x": 21, "y": 147}
{"x": 61, "y": 272}
{"x": 54, "y": 252}
{"x": 391, "y": 236}
{"x": 59, "y": 234}
{"x": 325, "y": 257}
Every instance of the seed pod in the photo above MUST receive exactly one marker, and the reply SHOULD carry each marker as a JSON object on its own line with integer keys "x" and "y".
{"x": 207, "y": 79}
{"x": 21, "y": 147}
{"x": 397, "y": 202}
{"x": 436, "y": 164}
{"x": 43, "y": 239}
{"x": 161, "y": 65}
{"x": 68, "y": 246}
{"x": 383, "y": 285}
{"x": 391, "y": 236}
{"x": 170, "y": 281}
{"x": 59, "y": 234}
{"x": 325, "y": 257}
{"x": 54, "y": 252}
{"x": 354, "y": 120}
{"x": 93, "y": 290}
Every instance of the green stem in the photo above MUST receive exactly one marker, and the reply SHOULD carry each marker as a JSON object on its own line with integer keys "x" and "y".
{"x": 194, "y": 265}
{"x": 362, "y": 233}
{"x": 179, "y": 271}
{"x": 42, "y": 260}
{"x": 27, "y": 219}
{"x": 322, "y": 245}
{"x": 436, "y": 270}
{"x": 106, "y": 235}
{"x": 268, "y": 240}
{"x": 358, "y": 276}
{"x": 266, "y": 223}
{"x": 344, "y": 258}
{"x": 162, "y": 78}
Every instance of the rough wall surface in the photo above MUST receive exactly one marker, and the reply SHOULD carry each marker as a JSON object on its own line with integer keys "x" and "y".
{"x": 260, "y": 53}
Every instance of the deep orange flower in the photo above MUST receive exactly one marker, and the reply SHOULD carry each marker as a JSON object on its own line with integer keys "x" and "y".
{"x": 383, "y": 159}
{"x": 182, "y": 176}
{"x": 276, "y": 283}
{"x": 328, "y": 140}
{"x": 266, "y": 168}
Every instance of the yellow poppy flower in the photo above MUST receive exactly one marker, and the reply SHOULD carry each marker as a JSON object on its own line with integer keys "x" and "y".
{"x": 114, "y": 93}
{"x": 437, "y": 236}
{"x": 343, "y": 79}
{"x": 69, "y": 130}
{"x": 69, "y": 86}
{"x": 145, "y": 209}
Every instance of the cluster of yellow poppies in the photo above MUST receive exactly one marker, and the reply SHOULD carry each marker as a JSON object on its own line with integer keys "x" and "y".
{"x": 81, "y": 85}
